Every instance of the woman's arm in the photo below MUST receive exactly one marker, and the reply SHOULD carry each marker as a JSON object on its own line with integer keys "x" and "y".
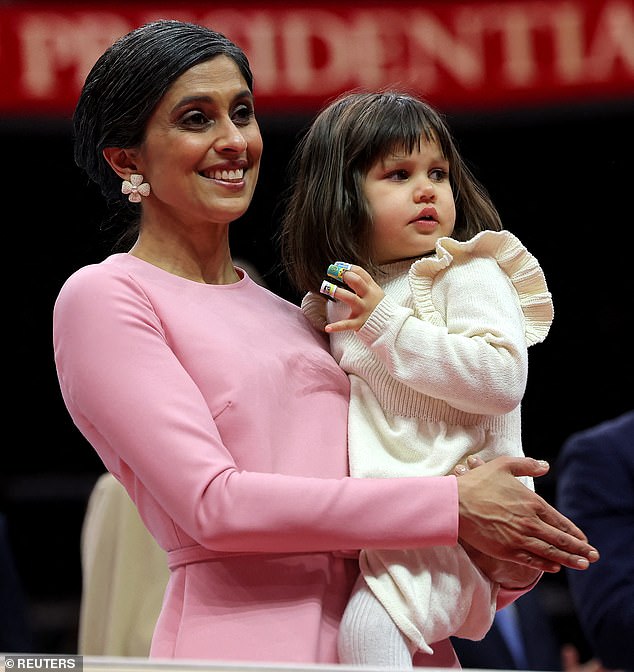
{"x": 132, "y": 398}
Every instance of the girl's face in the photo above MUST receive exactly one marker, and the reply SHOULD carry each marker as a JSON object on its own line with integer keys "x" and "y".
{"x": 411, "y": 201}
{"x": 202, "y": 149}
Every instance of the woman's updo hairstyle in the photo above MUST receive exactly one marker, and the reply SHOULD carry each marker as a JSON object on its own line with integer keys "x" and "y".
{"x": 129, "y": 80}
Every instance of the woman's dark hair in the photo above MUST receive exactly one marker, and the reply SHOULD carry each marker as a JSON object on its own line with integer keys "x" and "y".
{"x": 128, "y": 81}
{"x": 327, "y": 217}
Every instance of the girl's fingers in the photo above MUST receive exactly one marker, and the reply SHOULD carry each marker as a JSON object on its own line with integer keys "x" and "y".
{"x": 328, "y": 289}
{"x": 338, "y": 293}
{"x": 336, "y": 271}
{"x": 356, "y": 283}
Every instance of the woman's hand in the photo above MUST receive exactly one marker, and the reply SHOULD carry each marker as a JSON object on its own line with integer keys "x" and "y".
{"x": 509, "y": 575}
{"x": 500, "y": 517}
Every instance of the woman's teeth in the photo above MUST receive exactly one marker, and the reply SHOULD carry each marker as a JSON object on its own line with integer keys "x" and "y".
{"x": 227, "y": 174}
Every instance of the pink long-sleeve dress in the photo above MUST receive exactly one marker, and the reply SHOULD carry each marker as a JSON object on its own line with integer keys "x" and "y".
{"x": 221, "y": 411}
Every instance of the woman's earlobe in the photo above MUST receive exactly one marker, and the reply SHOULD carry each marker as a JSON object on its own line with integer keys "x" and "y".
{"x": 121, "y": 161}
{"x": 123, "y": 164}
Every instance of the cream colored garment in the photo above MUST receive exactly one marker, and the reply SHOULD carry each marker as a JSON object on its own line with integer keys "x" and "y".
{"x": 124, "y": 576}
{"x": 437, "y": 373}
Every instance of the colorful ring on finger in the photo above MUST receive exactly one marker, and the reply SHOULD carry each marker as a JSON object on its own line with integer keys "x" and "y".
{"x": 337, "y": 270}
{"x": 328, "y": 288}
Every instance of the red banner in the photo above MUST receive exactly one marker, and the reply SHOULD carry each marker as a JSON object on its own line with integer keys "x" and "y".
{"x": 459, "y": 55}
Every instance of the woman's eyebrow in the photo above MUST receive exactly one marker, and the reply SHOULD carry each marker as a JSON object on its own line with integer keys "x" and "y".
{"x": 186, "y": 100}
{"x": 206, "y": 98}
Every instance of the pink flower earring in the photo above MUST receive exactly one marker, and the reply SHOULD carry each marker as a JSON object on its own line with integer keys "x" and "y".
{"x": 135, "y": 187}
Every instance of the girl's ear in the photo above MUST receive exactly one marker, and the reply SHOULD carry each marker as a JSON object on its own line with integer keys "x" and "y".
{"x": 122, "y": 161}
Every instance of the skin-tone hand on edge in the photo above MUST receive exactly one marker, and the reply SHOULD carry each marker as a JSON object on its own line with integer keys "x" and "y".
{"x": 502, "y": 518}
{"x": 570, "y": 661}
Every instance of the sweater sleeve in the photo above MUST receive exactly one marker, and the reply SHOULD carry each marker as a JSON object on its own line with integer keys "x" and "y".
{"x": 314, "y": 308}
{"x": 131, "y": 397}
{"x": 467, "y": 342}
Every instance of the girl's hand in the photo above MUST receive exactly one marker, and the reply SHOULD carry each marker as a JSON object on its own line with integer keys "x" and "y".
{"x": 362, "y": 300}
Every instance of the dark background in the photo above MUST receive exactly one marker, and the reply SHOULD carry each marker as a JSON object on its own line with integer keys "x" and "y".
{"x": 563, "y": 180}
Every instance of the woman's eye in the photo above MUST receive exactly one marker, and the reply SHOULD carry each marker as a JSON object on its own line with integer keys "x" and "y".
{"x": 243, "y": 115}
{"x": 194, "y": 118}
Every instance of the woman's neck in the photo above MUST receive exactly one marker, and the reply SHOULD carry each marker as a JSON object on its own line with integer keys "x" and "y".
{"x": 206, "y": 259}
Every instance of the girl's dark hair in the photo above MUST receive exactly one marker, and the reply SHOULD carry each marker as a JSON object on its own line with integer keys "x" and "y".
{"x": 129, "y": 80}
{"x": 327, "y": 217}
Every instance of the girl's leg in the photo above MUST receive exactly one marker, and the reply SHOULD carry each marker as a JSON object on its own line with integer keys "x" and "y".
{"x": 368, "y": 636}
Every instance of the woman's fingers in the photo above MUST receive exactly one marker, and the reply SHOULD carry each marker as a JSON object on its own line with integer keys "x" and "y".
{"x": 562, "y": 551}
{"x": 563, "y": 527}
{"x": 503, "y": 518}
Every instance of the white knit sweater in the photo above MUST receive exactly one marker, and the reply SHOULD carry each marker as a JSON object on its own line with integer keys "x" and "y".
{"x": 437, "y": 373}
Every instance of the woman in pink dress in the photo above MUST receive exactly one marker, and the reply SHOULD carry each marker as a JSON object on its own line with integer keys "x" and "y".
{"x": 218, "y": 407}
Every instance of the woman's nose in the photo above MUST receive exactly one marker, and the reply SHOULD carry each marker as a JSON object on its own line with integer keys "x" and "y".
{"x": 230, "y": 139}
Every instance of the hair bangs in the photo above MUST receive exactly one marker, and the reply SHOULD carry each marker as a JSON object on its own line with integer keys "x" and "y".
{"x": 403, "y": 122}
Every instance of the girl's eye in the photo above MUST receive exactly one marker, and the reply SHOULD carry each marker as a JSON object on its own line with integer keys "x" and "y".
{"x": 243, "y": 115}
{"x": 397, "y": 175}
{"x": 438, "y": 174}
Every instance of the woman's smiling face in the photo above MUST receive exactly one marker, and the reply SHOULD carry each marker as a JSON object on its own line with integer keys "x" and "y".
{"x": 202, "y": 147}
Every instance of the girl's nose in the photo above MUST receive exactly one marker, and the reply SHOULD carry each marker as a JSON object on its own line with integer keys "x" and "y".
{"x": 424, "y": 192}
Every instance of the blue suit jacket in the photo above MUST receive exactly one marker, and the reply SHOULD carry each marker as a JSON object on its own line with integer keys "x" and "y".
{"x": 595, "y": 489}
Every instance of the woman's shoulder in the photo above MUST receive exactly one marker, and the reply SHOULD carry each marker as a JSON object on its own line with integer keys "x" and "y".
{"x": 112, "y": 265}
{"x": 122, "y": 279}
{"x": 93, "y": 279}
